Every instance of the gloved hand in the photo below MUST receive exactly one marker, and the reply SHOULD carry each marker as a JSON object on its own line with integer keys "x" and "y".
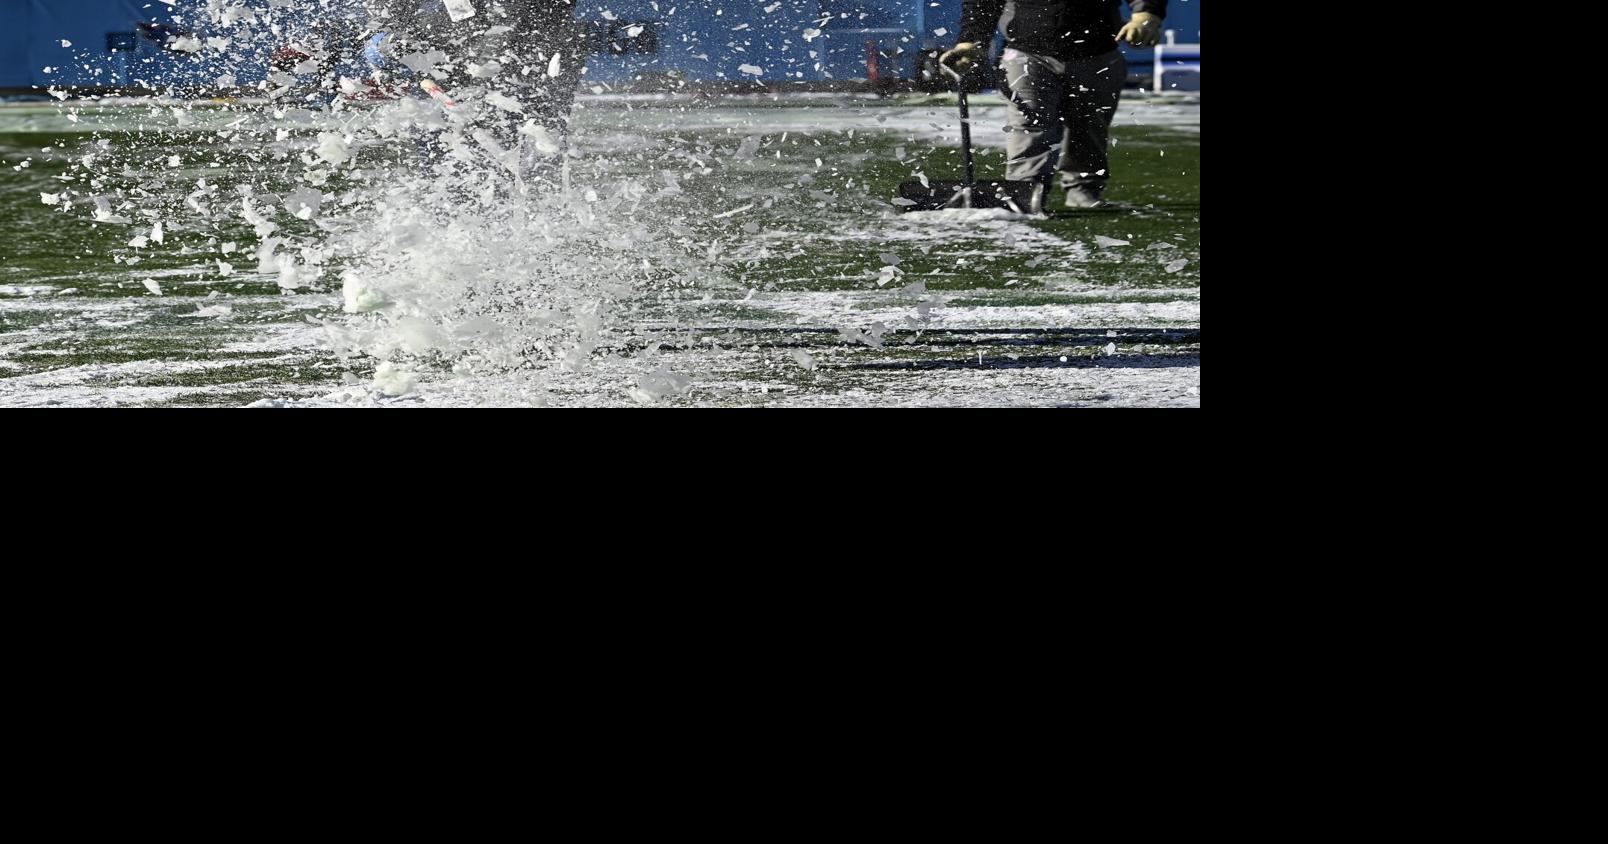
{"x": 1143, "y": 31}
{"x": 965, "y": 58}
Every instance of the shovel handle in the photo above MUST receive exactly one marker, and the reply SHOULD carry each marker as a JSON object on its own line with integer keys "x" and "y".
{"x": 965, "y": 130}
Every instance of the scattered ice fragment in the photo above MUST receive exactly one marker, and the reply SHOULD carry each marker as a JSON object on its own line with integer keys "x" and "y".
{"x": 334, "y": 148}
{"x": 460, "y": 10}
{"x": 804, "y": 359}
{"x": 153, "y": 287}
{"x": 304, "y": 203}
{"x": 103, "y": 212}
{"x": 659, "y": 384}
{"x": 393, "y": 380}
{"x": 542, "y": 139}
{"x": 361, "y": 298}
{"x": 505, "y": 102}
{"x": 1102, "y": 240}
{"x": 1177, "y": 266}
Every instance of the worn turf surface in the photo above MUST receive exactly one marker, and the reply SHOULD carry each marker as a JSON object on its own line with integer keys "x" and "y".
{"x": 813, "y": 290}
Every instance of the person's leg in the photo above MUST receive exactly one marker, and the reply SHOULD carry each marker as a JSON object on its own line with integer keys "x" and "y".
{"x": 1094, "y": 89}
{"x": 549, "y": 44}
{"x": 1036, "y": 127}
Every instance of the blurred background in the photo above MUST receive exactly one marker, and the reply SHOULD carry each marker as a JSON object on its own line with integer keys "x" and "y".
{"x": 98, "y": 46}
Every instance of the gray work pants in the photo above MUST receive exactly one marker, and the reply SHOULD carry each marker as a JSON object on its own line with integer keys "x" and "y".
{"x": 1061, "y": 113}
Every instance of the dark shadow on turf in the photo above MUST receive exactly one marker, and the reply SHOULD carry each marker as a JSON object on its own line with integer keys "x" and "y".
{"x": 1124, "y": 210}
{"x": 1190, "y": 361}
{"x": 812, "y": 338}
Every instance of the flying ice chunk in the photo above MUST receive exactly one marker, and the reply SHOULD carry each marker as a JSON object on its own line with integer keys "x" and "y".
{"x": 304, "y": 203}
{"x": 425, "y": 62}
{"x": 1177, "y": 266}
{"x": 1102, "y": 240}
{"x": 752, "y": 70}
{"x": 747, "y": 149}
{"x": 50, "y": 198}
{"x": 660, "y": 383}
{"x": 505, "y": 102}
{"x": 334, "y": 148}
{"x": 153, "y": 287}
{"x": 360, "y": 297}
{"x": 103, "y": 212}
{"x": 542, "y": 139}
{"x": 393, "y": 380}
{"x": 556, "y": 66}
{"x": 460, "y": 10}
{"x": 869, "y": 336}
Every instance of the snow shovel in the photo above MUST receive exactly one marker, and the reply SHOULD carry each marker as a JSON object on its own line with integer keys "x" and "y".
{"x": 1017, "y": 197}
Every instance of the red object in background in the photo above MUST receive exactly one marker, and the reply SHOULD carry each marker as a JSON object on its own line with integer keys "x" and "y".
{"x": 873, "y": 62}
{"x": 287, "y": 58}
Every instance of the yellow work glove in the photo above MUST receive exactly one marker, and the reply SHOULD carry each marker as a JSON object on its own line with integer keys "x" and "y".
{"x": 965, "y": 58}
{"x": 1143, "y": 31}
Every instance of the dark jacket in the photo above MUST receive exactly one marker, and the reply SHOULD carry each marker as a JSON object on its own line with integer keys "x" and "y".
{"x": 1066, "y": 29}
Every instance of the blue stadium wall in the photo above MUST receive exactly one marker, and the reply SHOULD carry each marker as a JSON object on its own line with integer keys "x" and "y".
{"x": 118, "y": 42}
{"x": 32, "y": 33}
{"x": 715, "y": 39}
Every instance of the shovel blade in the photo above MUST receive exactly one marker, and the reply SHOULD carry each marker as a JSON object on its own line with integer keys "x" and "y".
{"x": 1016, "y": 197}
